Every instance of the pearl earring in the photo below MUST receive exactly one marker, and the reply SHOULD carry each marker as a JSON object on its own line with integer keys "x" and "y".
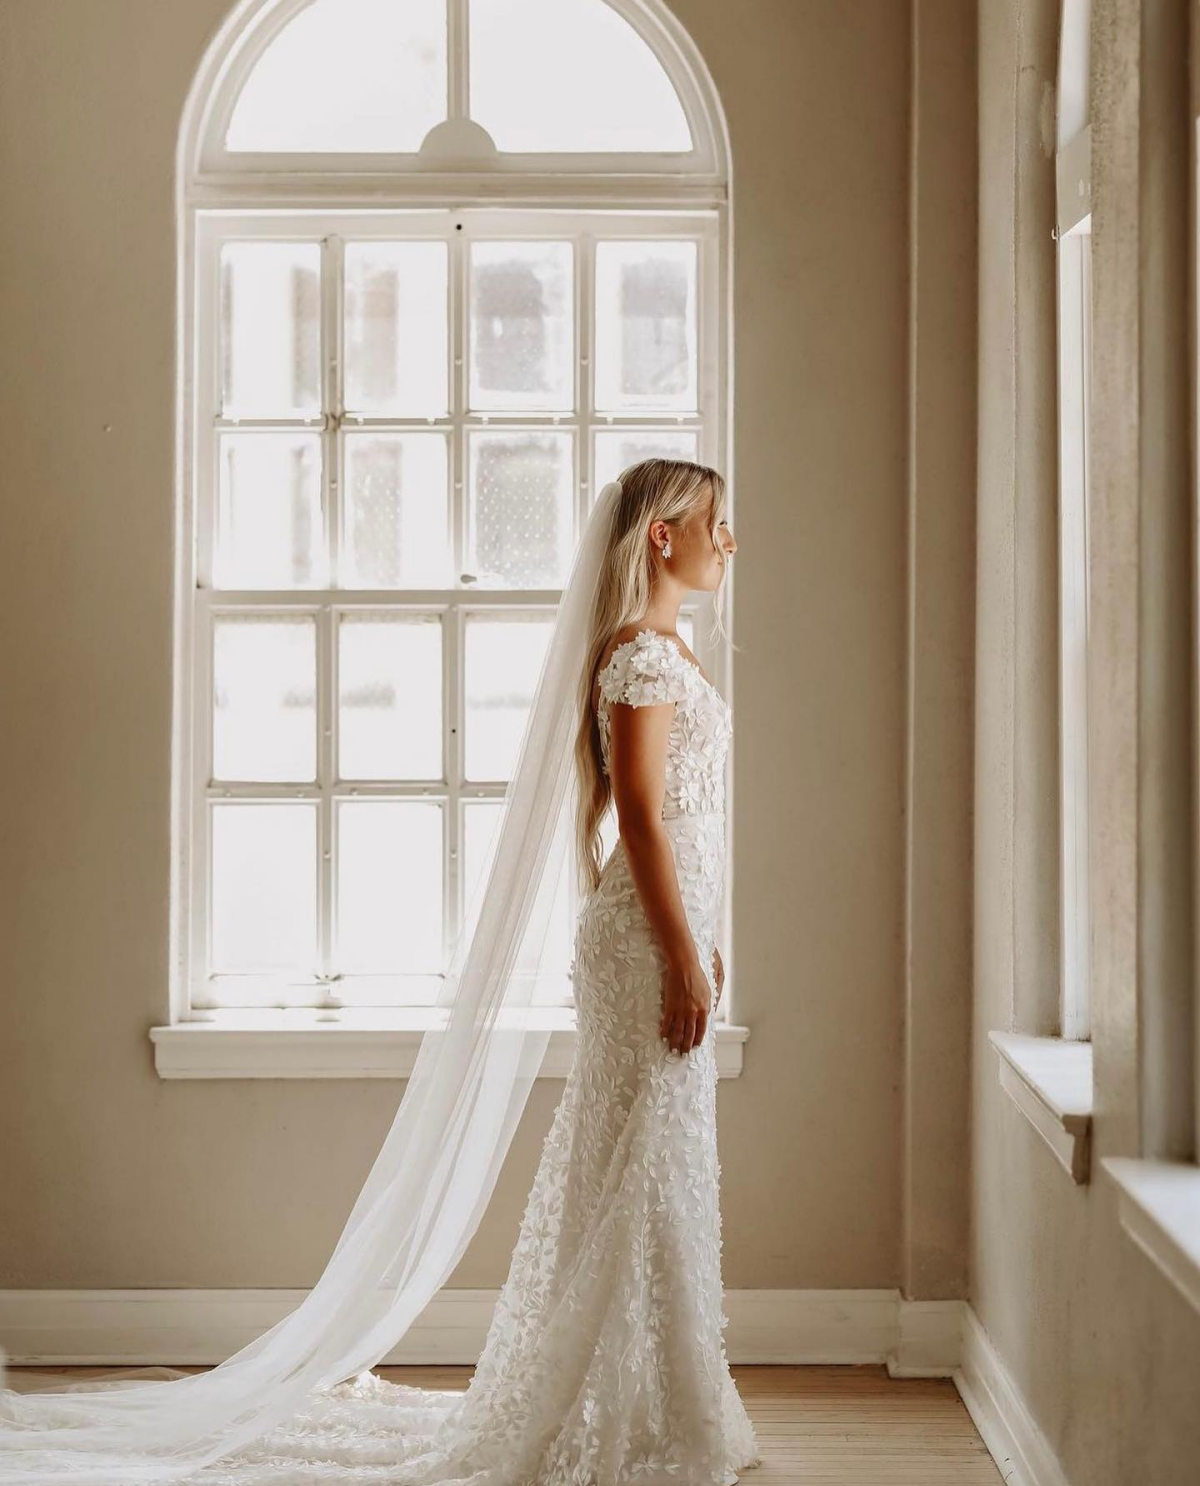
{"x": 666, "y": 549}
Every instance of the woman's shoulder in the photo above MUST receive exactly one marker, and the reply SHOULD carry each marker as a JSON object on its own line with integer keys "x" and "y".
{"x": 634, "y": 638}
{"x": 643, "y": 664}
{"x": 624, "y": 639}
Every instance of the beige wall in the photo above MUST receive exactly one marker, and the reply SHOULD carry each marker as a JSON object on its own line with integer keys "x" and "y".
{"x": 845, "y": 1144}
{"x": 113, "y": 1178}
{"x": 939, "y": 762}
{"x": 1104, "y": 1351}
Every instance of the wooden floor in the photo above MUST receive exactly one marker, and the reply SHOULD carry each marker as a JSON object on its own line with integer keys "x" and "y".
{"x": 816, "y": 1426}
{"x": 835, "y": 1426}
{"x": 856, "y": 1426}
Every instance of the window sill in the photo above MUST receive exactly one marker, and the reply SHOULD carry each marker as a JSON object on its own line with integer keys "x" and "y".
{"x": 1050, "y": 1081}
{"x": 375, "y": 1045}
{"x": 1159, "y": 1206}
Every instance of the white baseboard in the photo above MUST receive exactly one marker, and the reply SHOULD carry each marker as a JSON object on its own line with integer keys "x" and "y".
{"x": 134, "y": 1327}
{"x": 1001, "y": 1415}
{"x": 929, "y": 1339}
{"x": 912, "y": 1338}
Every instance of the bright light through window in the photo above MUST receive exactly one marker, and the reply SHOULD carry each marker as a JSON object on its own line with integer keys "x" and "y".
{"x": 347, "y": 75}
{"x": 408, "y": 380}
{"x": 546, "y": 76}
{"x": 558, "y": 75}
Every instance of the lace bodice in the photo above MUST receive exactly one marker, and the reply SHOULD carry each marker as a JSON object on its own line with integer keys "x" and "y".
{"x": 649, "y": 669}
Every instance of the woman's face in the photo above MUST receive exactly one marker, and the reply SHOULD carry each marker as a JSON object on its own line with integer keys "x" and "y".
{"x": 695, "y": 561}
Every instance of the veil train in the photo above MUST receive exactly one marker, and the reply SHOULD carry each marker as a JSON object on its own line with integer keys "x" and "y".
{"x": 431, "y": 1181}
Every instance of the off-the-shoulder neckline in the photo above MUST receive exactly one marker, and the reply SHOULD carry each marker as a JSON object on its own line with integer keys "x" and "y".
{"x": 658, "y": 635}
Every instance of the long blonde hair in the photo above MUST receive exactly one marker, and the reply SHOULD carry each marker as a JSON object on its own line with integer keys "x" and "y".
{"x": 653, "y": 490}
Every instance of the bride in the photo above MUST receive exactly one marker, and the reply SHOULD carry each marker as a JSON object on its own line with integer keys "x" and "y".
{"x": 604, "y": 1362}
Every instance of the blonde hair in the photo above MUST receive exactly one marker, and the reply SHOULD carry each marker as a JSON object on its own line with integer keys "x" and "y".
{"x": 670, "y": 490}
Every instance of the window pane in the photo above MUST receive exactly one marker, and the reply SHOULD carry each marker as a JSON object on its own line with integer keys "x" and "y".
{"x": 270, "y": 329}
{"x": 396, "y": 523}
{"x": 617, "y": 450}
{"x": 503, "y": 661}
{"x": 481, "y": 819}
{"x": 569, "y": 75}
{"x": 347, "y": 75}
{"x": 389, "y": 887}
{"x": 521, "y": 527}
{"x": 522, "y": 326}
{"x": 645, "y": 325}
{"x": 389, "y": 697}
{"x": 264, "y": 887}
{"x": 268, "y": 510}
{"x": 396, "y": 328}
{"x": 264, "y": 697}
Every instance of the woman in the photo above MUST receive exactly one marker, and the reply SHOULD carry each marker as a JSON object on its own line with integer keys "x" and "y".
{"x": 604, "y": 1361}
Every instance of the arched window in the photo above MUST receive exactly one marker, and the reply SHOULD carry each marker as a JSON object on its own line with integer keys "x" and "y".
{"x": 446, "y": 267}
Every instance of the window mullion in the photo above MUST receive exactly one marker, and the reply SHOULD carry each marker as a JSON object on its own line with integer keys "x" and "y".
{"x": 452, "y": 746}
{"x": 585, "y": 394}
{"x": 333, "y": 404}
{"x": 326, "y": 638}
{"x": 458, "y": 400}
{"x": 454, "y": 636}
{"x": 333, "y": 398}
{"x": 458, "y": 60}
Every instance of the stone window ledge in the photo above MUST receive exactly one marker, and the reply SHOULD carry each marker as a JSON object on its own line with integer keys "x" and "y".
{"x": 1050, "y": 1081}
{"x": 1159, "y": 1205}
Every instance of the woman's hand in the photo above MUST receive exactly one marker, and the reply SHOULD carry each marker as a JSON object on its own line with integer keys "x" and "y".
{"x": 686, "y": 997}
{"x": 718, "y": 976}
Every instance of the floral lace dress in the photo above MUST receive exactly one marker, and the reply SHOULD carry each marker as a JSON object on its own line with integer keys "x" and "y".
{"x": 604, "y": 1363}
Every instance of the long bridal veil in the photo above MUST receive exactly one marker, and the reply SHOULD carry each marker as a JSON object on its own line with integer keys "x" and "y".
{"x": 433, "y": 1176}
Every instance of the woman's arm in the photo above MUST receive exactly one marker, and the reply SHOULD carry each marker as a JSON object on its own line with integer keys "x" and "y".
{"x": 637, "y": 766}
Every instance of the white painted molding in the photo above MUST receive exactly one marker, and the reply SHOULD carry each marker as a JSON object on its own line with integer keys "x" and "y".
{"x": 165, "y": 1327}
{"x": 929, "y": 1339}
{"x": 1159, "y": 1207}
{"x": 185, "y": 1327}
{"x": 1050, "y": 1081}
{"x": 283, "y": 1049}
{"x": 1008, "y": 1429}
{"x": 810, "y": 1325}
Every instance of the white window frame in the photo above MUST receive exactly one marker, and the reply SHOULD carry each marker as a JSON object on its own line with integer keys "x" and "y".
{"x": 223, "y": 195}
{"x": 459, "y": 230}
{"x": 1050, "y": 1079}
{"x": 1073, "y": 255}
{"x": 1158, "y": 1199}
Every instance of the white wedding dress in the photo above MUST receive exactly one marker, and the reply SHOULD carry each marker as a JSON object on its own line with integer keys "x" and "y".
{"x": 604, "y": 1363}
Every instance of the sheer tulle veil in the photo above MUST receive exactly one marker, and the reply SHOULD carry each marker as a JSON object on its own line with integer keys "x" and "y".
{"x": 433, "y": 1176}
